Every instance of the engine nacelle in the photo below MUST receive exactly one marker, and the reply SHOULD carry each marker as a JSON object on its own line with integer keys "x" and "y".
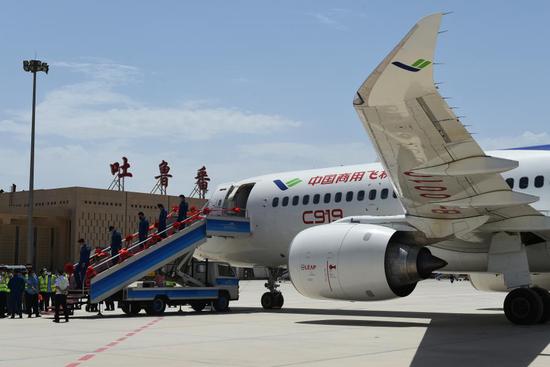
{"x": 357, "y": 262}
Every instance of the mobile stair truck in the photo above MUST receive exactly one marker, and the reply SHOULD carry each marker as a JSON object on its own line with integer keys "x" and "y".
{"x": 200, "y": 282}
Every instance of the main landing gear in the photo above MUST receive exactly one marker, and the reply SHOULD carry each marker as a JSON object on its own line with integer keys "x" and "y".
{"x": 527, "y": 306}
{"x": 273, "y": 299}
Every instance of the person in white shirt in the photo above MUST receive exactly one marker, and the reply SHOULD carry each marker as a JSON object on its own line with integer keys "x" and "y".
{"x": 61, "y": 291}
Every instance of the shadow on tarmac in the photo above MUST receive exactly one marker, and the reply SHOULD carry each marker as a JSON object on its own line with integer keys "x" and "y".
{"x": 451, "y": 339}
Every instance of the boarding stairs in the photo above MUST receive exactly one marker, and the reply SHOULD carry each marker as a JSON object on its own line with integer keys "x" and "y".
{"x": 110, "y": 274}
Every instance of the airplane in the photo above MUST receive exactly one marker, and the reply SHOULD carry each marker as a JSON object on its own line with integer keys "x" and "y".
{"x": 435, "y": 201}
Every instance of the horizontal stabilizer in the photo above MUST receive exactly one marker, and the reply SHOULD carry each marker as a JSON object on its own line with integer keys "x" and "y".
{"x": 469, "y": 166}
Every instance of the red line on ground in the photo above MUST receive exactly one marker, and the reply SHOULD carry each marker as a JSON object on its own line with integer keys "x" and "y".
{"x": 88, "y": 356}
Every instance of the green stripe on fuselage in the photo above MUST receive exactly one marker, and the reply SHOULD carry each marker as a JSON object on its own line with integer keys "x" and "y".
{"x": 293, "y": 182}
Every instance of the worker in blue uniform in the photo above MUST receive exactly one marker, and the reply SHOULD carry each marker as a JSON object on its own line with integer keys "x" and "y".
{"x": 163, "y": 215}
{"x": 31, "y": 294}
{"x": 17, "y": 287}
{"x": 83, "y": 263}
{"x": 143, "y": 230}
{"x": 182, "y": 211}
{"x": 116, "y": 243}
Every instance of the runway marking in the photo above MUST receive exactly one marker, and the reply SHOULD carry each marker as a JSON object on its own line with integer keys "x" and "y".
{"x": 88, "y": 356}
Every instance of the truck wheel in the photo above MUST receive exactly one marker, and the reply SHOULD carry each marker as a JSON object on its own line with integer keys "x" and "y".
{"x": 157, "y": 307}
{"x": 198, "y": 306}
{"x": 222, "y": 303}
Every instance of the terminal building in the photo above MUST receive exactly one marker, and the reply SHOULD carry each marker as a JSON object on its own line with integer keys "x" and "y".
{"x": 62, "y": 216}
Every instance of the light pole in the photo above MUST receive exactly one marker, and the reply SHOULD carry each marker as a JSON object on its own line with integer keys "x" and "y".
{"x": 32, "y": 66}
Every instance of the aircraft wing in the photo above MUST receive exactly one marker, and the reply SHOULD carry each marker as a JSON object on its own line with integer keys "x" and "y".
{"x": 447, "y": 184}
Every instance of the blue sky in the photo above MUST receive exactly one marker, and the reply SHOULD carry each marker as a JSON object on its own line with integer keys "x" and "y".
{"x": 245, "y": 87}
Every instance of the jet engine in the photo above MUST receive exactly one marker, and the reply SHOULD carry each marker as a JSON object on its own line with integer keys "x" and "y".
{"x": 361, "y": 262}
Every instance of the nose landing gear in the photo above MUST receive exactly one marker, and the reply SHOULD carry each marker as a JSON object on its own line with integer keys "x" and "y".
{"x": 273, "y": 299}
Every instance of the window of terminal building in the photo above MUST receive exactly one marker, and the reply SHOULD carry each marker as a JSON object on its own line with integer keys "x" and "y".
{"x": 338, "y": 197}
{"x": 384, "y": 194}
{"x": 539, "y": 181}
{"x": 326, "y": 199}
{"x": 305, "y": 200}
{"x": 523, "y": 182}
{"x": 361, "y": 195}
{"x": 316, "y": 198}
{"x": 295, "y": 200}
{"x": 285, "y": 201}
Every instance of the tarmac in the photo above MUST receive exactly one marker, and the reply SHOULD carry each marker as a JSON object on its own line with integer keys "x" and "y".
{"x": 440, "y": 324}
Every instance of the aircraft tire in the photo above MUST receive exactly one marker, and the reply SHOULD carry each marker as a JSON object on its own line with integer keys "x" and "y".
{"x": 545, "y": 296}
{"x": 267, "y": 300}
{"x": 278, "y": 300}
{"x": 523, "y": 306}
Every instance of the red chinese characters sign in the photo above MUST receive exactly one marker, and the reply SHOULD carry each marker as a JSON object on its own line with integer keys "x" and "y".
{"x": 121, "y": 170}
{"x": 347, "y": 177}
{"x": 164, "y": 170}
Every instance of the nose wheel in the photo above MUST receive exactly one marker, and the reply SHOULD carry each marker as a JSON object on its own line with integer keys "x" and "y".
{"x": 273, "y": 300}
{"x": 527, "y": 306}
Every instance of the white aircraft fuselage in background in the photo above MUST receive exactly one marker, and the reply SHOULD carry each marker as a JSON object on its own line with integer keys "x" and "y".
{"x": 274, "y": 227}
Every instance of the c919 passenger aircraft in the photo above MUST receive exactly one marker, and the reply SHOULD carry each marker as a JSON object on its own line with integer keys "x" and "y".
{"x": 437, "y": 201}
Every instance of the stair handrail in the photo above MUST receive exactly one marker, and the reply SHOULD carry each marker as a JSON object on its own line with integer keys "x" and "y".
{"x": 194, "y": 217}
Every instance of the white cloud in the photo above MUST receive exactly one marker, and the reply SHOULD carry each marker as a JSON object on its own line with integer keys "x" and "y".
{"x": 93, "y": 109}
{"x": 84, "y": 126}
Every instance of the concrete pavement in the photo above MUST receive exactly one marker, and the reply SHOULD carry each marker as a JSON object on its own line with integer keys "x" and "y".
{"x": 439, "y": 324}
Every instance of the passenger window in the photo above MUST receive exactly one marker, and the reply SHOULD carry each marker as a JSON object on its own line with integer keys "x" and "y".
{"x": 384, "y": 194}
{"x": 394, "y": 195}
{"x": 349, "y": 196}
{"x": 295, "y": 200}
{"x": 539, "y": 181}
{"x": 523, "y": 182}
{"x": 361, "y": 195}
{"x": 372, "y": 194}
{"x": 275, "y": 202}
{"x": 326, "y": 199}
{"x": 305, "y": 200}
{"x": 285, "y": 201}
{"x": 338, "y": 197}
{"x": 316, "y": 198}
{"x": 510, "y": 182}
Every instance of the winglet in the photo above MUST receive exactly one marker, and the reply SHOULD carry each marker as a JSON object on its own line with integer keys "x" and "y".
{"x": 407, "y": 71}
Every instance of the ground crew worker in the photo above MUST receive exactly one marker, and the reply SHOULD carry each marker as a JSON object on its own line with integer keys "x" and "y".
{"x": 61, "y": 291}
{"x": 4, "y": 292}
{"x": 31, "y": 294}
{"x": 161, "y": 230}
{"x": 83, "y": 263}
{"x": 116, "y": 243}
{"x": 17, "y": 287}
{"x": 143, "y": 231}
{"x": 46, "y": 282}
{"x": 182, "y": 211}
